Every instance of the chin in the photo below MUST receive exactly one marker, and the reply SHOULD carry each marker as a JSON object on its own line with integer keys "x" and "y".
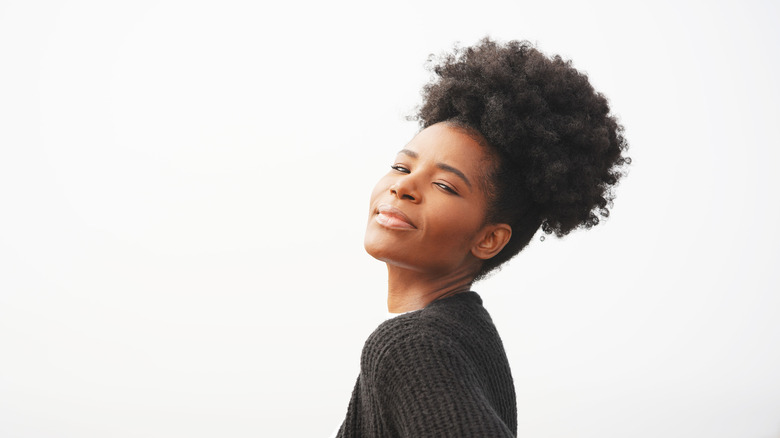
{"x": 375, "y": 246}
{"x": 386, "y": 251}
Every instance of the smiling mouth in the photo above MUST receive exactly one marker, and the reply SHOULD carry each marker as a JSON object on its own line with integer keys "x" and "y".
{"x": 391, "y": 217}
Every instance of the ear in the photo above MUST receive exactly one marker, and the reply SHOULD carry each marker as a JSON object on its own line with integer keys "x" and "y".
{"x": 493, "y": 239}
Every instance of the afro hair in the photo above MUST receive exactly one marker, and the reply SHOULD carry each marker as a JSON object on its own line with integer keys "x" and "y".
{"x": 559, "y": 152}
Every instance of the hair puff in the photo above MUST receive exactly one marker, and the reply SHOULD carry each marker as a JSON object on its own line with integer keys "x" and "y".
{"x": 559, "y": 150}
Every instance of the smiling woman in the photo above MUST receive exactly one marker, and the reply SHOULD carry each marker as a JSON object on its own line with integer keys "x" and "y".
{"x": 512, "y": 141}
{"x": 429, "y": 219}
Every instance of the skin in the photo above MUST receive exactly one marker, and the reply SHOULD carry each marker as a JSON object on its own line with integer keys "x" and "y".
{"x": 427, "y": 218}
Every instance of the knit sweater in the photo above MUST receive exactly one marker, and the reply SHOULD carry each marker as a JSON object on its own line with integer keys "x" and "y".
{"x": 440, "y": 371}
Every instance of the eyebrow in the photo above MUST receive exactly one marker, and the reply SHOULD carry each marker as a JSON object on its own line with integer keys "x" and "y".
{"x": 442, "y": 166}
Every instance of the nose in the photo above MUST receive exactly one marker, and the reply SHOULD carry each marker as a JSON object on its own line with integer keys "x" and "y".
{"x": 405, "y": 189}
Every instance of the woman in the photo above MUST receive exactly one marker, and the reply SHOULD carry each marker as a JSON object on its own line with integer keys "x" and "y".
{"x": 511, "y": 141}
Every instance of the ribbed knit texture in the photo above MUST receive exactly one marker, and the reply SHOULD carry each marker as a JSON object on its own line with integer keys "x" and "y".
{"x": 436, "y": 372}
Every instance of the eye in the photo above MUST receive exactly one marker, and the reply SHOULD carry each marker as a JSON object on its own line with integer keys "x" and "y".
{"x": 400, "y": 168}
{"x": 446, "y": 188}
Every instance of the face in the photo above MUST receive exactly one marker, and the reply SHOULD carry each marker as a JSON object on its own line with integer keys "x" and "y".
{"x": 428, "y": 211}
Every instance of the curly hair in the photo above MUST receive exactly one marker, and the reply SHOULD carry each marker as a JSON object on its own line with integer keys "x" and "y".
{"x": 559, "y": 152}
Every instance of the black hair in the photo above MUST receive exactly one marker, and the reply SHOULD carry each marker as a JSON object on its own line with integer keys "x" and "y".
{"x": 559, "y": 152}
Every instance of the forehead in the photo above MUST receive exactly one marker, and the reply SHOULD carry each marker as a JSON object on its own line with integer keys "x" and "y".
{"x": 450, "y": 145}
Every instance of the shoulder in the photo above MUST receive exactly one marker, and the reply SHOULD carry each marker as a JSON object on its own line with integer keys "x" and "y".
{"x": 453, "y": 327}
{"x": 443, "y": 320}
{"x": 436, "y": 360}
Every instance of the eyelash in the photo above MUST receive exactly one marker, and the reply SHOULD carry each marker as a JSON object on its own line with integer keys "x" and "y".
{"x": 447, "y": 188}
{"x": 399, "y": 168}
{"x": 444, "y": 187}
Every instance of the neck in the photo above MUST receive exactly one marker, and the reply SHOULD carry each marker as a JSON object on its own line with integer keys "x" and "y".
{"x": 411, "y": 290}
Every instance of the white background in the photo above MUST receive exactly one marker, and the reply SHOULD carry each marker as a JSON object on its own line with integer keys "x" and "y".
{"x": 184, "y": 187}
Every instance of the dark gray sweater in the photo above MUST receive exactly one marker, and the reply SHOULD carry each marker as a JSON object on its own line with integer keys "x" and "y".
{"x": 436, "y": 372}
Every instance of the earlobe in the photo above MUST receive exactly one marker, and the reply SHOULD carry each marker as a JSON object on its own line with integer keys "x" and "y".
{"x": 494, "y": 238}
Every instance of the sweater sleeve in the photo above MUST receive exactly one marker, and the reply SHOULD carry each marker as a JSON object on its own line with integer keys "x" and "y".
{"x": 430, "y": 388}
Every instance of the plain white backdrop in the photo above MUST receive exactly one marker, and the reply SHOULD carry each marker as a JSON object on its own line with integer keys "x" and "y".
{"x": 184, "y": 187}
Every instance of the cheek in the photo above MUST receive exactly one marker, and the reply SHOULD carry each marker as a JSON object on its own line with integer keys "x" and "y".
{"x": 380, "y": 187}
{"x": 456, "y": 228}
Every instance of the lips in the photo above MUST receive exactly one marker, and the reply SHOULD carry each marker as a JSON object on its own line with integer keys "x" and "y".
{"x": 391, "y": 217}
